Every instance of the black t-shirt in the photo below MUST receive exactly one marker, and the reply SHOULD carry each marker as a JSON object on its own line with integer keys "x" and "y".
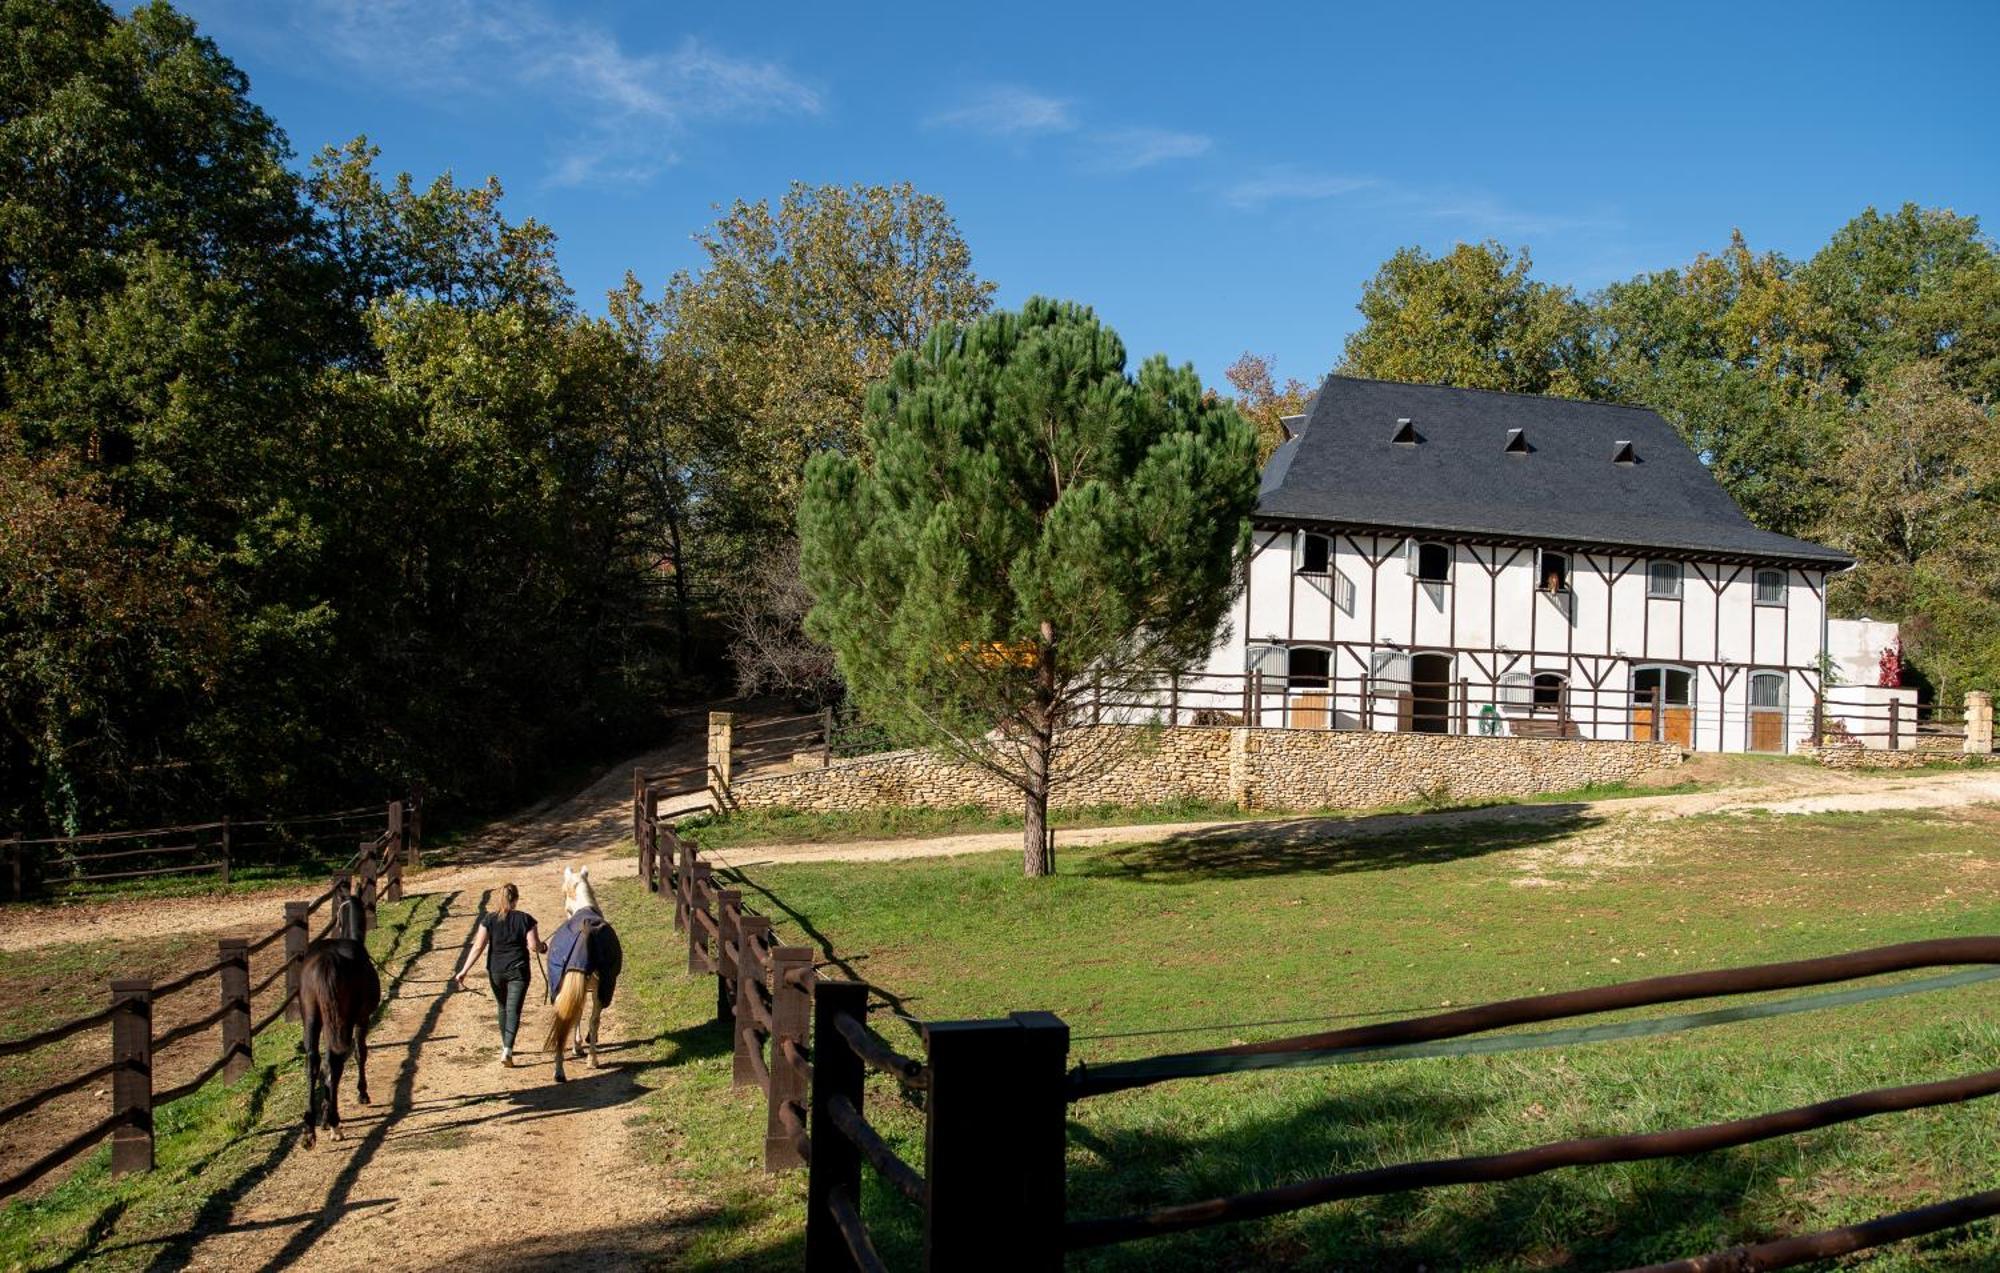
{"x": 507, "y": 943}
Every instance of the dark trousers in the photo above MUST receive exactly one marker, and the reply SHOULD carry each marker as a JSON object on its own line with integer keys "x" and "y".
{"x": 509, "y": 992}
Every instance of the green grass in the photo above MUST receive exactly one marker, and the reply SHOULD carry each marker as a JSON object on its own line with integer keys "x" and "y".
{"x": 800, "y": 826}
{"x": 1202, "y": 933}
{"x": 210, "y": 1147}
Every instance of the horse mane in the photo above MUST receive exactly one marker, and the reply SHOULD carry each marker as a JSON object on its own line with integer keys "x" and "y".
{"x": 579, "y": 894}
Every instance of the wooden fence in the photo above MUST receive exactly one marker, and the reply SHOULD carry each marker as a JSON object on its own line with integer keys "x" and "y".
{"x": 59, "y": 864}
{"x": 997, "y": 1095}
{"x": 376, "y": 868}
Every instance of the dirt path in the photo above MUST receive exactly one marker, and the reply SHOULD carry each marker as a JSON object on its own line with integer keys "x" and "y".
{"x": 1794, "y": 790}
{"x": 461, "y": 1159}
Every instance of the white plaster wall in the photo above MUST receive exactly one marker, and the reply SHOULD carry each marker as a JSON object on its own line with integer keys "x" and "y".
{"x": 1612, "y": 620}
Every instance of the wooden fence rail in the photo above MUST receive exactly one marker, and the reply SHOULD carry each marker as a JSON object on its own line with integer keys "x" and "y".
{"x": 135, "y": 1043}
{"x": 997, "y": 1094}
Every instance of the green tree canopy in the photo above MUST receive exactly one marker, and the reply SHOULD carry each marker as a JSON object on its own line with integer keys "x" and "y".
{"x": 1473, "y": 318}
{"x": 1026, "y": 516}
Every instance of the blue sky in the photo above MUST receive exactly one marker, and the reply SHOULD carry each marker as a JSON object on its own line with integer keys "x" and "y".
{"x": 1212, "y": 179}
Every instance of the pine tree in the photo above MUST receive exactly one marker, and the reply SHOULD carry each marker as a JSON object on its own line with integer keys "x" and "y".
{"x": 1027, "y": 522}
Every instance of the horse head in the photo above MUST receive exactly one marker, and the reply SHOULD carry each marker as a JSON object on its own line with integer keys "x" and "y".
{"x": 577, "y": 893}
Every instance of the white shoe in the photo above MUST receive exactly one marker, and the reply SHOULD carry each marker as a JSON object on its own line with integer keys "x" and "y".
{"x": 507, "y": 1057}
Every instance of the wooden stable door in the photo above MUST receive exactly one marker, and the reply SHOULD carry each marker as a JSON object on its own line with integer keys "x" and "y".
{"x": 1311, "y": 711}
{"x": 1677, "y": 725}
{"x": 1767, "y": 731}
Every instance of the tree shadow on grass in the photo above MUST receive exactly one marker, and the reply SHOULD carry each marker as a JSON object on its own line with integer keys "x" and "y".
{"x": 1385, "y": 842}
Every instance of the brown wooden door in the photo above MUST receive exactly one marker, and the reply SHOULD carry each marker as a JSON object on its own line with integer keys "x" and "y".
{"x": 1642, "y": 717}
{"x": 1309, "y": 711}
{"x": 1678, "y": 726}
{"x": 1767, "y": 731}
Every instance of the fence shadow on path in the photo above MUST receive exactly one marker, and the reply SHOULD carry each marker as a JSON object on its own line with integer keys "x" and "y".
{"x": 1320, "y": 846}
{"x": 1578, "y": 1219}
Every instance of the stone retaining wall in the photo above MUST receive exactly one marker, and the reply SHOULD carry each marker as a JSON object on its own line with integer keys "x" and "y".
{"x": 1851, "y": 756}
{"x": 1251, "y": 768}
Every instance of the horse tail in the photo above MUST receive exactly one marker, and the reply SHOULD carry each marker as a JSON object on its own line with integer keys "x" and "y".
{"x": 567, "y": 1012}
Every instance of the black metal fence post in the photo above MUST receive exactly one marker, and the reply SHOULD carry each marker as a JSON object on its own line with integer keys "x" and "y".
{"x": 296, "y": 938}
{"x": 235, "y": 955}
{"x": 993, "y": 1141}
{"x": 836, "y": 1163}
{"x": 132, "y": 1081}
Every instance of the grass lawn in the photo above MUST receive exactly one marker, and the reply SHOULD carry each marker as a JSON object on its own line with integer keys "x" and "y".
{"x": 210, "y": 1147}
{"x": 1165, "y": 947}
{"x": 799, "y": 826}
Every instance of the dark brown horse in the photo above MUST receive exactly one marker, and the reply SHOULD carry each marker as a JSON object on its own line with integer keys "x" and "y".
{"x": 338, "y": 993}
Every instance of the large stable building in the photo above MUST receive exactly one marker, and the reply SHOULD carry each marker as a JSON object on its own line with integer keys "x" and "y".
{"x": 1462, "y": 561}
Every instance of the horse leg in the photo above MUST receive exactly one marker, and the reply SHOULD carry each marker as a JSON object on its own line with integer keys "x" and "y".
{"x": 361, "y": 1063}
{"x": 590, "y": 1010}
{"x": 336, "y": 1061}
{"x": 311, "y": 1040}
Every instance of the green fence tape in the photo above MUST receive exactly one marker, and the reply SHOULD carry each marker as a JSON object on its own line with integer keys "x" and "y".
{"x": 1197, "y": 1064}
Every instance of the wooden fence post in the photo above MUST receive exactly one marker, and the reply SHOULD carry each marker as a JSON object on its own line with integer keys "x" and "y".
{"x": 791, "y": 1023}
{"x": 413, "y": 826}
{"x": 1173, "y": 698}
{"x": 826, "y": 728}
{"x": 750, "y": 930}
{"x": 728, "y": 911}
{"x": 638, "y": 794}
{"x": 393, "y": 890}
{"x": 700, "y": 891}
{"x": 683, "y": 882}
{"x": 225, "y": 850}
{"x": 367, "y": 886}
{"x": 296, "y": 938}
{"x": 397, "y": 846}
{"x": 17, "y": 868}
{"x": 836, "y": 1163}
{"x": 1895, "y": 724}
{"x": 993, "y": 1141}
{"x": 132, "y": 1081}
{"x": 235, "y": 954}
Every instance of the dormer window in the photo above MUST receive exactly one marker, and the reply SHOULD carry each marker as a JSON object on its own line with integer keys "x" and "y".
{"x": 1663, "y": 579}
{"x": 1405, "y": 434}
{"x": 1430, "y": 563}
{"x": 1770, "y": 587}
{"x": 1554, "y": 574}
{"x": 1315, "y": 555}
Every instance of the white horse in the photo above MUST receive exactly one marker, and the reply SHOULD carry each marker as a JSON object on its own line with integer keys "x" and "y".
{"x": 584, "y": 960}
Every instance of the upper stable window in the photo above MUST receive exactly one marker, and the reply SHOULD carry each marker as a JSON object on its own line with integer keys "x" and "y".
{"x": 1770, "y": 586}
{"x": 1663, "y": 579}
{"x": 1308, "y": 668}
{"x": 1549, "y": 687}
{"x": 1315, "y": 555}
{"x": 1430, "y": 563}
{"x": 1555, "y": 572}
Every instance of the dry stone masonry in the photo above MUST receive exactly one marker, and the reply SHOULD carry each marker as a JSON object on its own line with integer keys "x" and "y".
{"x": 1250, "y": 768}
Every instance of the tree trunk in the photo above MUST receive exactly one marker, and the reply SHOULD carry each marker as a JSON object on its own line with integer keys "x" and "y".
{"x": 1037, "y": 854}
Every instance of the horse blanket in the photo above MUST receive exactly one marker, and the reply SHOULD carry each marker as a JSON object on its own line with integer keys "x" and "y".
{"x": 586, "y": 944}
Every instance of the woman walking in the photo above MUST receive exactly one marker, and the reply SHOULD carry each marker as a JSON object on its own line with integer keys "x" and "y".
{"x": 507, "y": 935}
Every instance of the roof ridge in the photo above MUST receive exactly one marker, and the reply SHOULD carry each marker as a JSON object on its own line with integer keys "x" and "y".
{"x": 1498, "y": 393}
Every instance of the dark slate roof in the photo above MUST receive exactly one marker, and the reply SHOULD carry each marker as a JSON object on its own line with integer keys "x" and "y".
{"x": 1343, "y": 469}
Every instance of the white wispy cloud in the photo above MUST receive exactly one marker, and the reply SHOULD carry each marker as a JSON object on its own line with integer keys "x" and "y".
{"x": 1130, "y": 149}
{"x": 1473, "y": 213}
{"x": 1286, "y": 183}
{"x": 1009, "y": 111}
{"x": 624, "y": 112}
